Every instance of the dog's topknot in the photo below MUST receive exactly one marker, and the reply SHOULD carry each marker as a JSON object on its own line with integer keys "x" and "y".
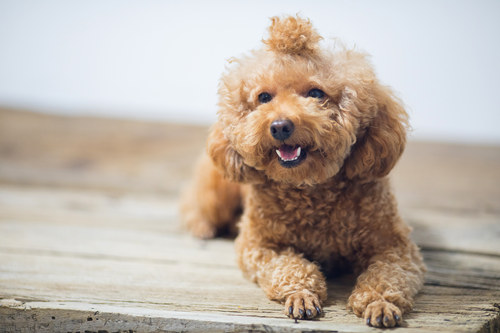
{"x": 292, "y": 35}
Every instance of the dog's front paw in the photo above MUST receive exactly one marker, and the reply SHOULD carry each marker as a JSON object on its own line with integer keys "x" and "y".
{"x": 201, "y": 228}
{"x": 303, "y": 305}
{"x": 382, "y": 314}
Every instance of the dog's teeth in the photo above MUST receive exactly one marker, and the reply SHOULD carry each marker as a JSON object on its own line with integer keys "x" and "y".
{"x": 297, "y": 155}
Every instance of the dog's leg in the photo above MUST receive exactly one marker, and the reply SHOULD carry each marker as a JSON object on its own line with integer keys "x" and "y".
{"x": 211, "y": 203}
{"x": 285, "y": 276}
{"x": 385, "y": 290}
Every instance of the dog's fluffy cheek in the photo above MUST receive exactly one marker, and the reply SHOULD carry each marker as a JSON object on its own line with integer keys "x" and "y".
{"x": 250, "y": 140}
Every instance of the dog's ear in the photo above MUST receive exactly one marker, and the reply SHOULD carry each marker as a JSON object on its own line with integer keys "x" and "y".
{"x": 228, "y": 161}
{"x": 382, "y": 141}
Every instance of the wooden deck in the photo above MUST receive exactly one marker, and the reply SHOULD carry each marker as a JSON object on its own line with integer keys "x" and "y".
{"x": 90, "y": 238}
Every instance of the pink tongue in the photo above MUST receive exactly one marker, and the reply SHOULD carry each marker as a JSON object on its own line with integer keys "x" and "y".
{"x": 288, "y": 152}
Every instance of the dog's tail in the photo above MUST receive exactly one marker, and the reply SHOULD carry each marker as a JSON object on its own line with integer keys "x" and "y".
{"x": 292, "y": 35}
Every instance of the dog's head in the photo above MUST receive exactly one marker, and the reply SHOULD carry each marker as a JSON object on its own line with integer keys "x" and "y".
{"x": 295, "y": 113}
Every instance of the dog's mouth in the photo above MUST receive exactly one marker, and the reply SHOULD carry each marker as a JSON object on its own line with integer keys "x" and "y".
{"x": 290, "y": 156}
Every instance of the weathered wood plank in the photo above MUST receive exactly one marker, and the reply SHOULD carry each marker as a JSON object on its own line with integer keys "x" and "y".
{"x": 113, "y": 255}
{"x": 89, "y": 229}
{"x": 438, "y": 308}
{"x": 107, "y": 154}
{"x": 451, "y": 195}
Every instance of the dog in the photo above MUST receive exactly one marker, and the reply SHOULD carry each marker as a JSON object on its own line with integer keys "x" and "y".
{"x": 299, "y": 155}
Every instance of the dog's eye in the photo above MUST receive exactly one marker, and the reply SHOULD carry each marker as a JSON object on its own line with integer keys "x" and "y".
{"x": 265, "y": 98}
{"x": 316, "y": 93}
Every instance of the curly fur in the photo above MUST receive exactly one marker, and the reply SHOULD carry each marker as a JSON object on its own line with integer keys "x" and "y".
{"x": 292, "y": 36}
{"x": 336, "y": 206}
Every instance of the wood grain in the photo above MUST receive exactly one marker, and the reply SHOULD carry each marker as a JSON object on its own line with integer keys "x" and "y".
{"x": 90, "y": 239}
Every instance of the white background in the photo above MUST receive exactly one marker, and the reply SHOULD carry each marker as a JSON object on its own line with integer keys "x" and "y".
{"x": 162, "y": 59}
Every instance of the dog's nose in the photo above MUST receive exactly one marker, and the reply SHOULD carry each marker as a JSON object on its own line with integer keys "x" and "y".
{"x": 282, "y": 129}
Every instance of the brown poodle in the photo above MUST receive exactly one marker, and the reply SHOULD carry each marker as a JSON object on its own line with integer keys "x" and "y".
{"x": 299, "y": 156}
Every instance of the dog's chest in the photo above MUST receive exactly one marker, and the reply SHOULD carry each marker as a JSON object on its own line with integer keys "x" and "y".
{"x": 316, "y": 223}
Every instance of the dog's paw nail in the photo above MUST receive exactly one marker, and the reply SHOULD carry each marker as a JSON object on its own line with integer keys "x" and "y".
{"x": 368, "y": 321}
{"x": 396, "y": 317}
{"x": 318, "y": 310}
{"x": 309, "y": 313}
{"x": 386, "y": 319}
{"x": 301, "y": 312}
{"x": 379, "y": 320}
